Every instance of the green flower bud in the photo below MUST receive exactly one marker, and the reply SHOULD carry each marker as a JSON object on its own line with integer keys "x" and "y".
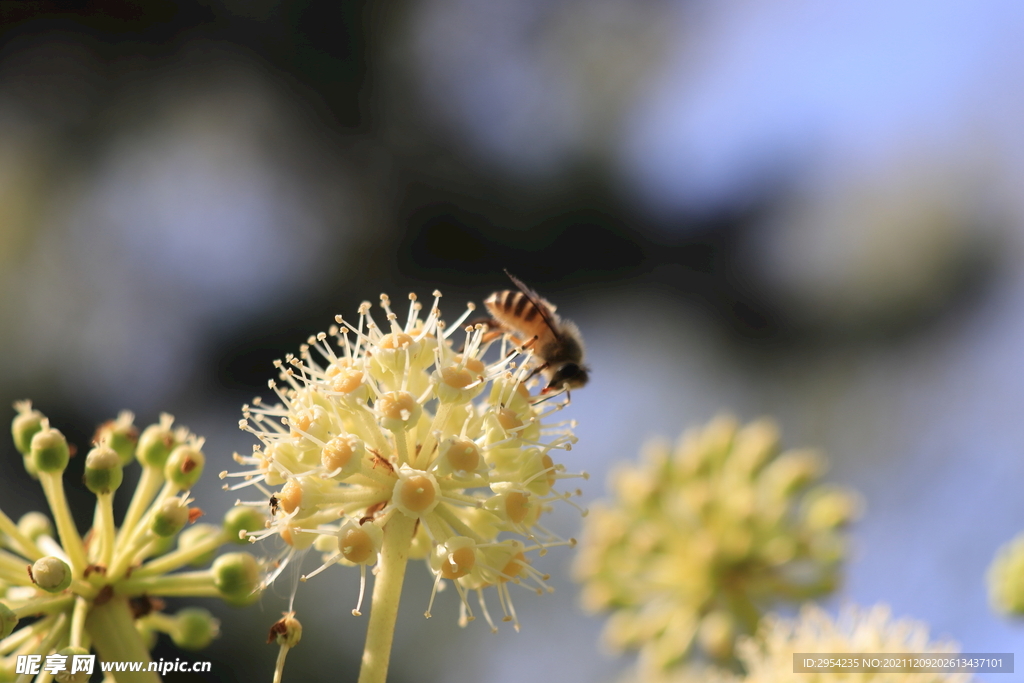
{"x": 236, "y": 575}
{"x": 170, "y": 518}
{"x": 195, "y": 629}
{"x": 50, "y": 452}
{"x": 52, "y": 574}
{"x": 1006, "y": 578}
{"x": 103, "y": 473}
{"x": 287, "y": 632}
{"x": 184, "y": 466}
{"x": 66, "y": 676}
{"x": 30, "y": 466}
{"x": 121, "y": 435}
{"x": 25, "y": 425}
{"x": 156, "y": 443}
{"x": 830, "y": 507}
{"x": 8, "y": 620}
{"x": 195, "y": 534}
{"x": 161, "y": 545}
{"x": 243, "y": 518}
{"x": 35, "y": 524}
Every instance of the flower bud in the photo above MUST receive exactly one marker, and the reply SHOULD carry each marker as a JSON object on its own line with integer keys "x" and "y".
{"x": 25, "y": 426}
{"x": 460, "y": 455}
{"x": 156, "y": 443}
{"x": 831, "y": 507}
{"x": 398, "y": 411}
{"x": 8, "y": 621}
{"x": 170, "y": 518}
{"x": 1006, "y": 578}
{"x": 35, "y": 524}
{"x": 121, "y": 435}
{"x": 236, "y": 575}
{"x": 52, "y": 574}
{"x": 456, "y": 557}
{"x": 195, "y": 628}
{"x": 66, "y": 676}
{"x": 416, "y": 492}
{"x": 344, "y": 453}
{"x": 455, "y": 384}
{"x": 184, "y": 466}
{"x": 197, "y": 533}
{"x": 103, "y": 473}
{"x": 50, "y": 452}
{"x": 243, "y": 519}
{"x": 360, "y": 543}
{"x": 287, "y": 632}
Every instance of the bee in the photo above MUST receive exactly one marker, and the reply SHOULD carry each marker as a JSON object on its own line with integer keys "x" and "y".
{"x": 274, "y": 505}
{"x": 556, "y": 342}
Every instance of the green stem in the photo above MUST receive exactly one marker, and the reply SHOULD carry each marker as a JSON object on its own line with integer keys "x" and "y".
{"x": 105, "y": 515}
{"x": 179, "y": 558}
{"x": 149, "y": 483}
{"x": 47, "y": 646}
{"x": 444, "y": 413}
{"x": 78, "y": 621}
{"x": 19, "y": 541}
{"x": 42, "y": 606}
{"x": 116, "y": 639}
{"x": 53, "y": 487}
{"x": 184, "y": 584}
{"x": 132, "y": 540}
{"x": 387, "y": 590}
{"x": 279, "y": 667}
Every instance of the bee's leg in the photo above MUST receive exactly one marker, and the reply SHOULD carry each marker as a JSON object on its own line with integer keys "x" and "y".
{"x": 535, "y": 371}
{"x": 548, "y": 395}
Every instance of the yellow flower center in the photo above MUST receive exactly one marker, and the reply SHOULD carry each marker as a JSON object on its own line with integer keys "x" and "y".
{"x": 418, "y": 493}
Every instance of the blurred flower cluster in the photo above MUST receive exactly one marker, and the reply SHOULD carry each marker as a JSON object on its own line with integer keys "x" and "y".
{"x": 103, "y": 591}
{"x": 702, "y": 538}
{"x": 1006, "y": 578}
{"x": 768, "y": 658}
{"x": 380, "y": 440}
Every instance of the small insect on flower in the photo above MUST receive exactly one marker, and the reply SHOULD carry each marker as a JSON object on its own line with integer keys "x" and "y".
{"x": 556, "y": 342}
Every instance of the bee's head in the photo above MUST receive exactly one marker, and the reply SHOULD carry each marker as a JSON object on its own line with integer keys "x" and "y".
{"x": 572, "y": 374}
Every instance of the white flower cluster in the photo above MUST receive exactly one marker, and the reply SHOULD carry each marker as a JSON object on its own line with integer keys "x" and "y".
{"x": 386, "y": 423}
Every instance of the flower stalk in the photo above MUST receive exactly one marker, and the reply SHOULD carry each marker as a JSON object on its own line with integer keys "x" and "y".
{"x": 387, "y": 590}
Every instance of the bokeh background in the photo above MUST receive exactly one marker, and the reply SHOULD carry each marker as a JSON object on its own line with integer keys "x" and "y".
{"x": 799, "y": 209}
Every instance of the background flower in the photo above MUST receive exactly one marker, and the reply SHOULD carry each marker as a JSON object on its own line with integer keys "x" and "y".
{"x": 700, "y": 539}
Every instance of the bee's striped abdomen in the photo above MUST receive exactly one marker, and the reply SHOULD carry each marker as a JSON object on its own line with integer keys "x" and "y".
{"x": 515, "y": 305}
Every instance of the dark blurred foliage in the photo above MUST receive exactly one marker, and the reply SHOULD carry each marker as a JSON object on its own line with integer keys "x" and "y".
{"x": 425, "y": 216}
{"x": 458, "y": 227}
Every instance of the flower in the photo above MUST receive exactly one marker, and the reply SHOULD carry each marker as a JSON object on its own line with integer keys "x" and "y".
{"x": 103, "y": 590}
{"x": 397, "y": 433}
{"x": 700, "y": 539}
{"x": 1006, "y": 578}
{"x": 768, "y": 657}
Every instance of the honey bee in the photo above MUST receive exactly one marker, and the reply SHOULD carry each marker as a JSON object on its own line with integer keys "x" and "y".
{"x": 556, "y": 342}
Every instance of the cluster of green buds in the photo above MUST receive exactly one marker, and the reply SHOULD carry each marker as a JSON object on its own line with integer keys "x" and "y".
{"x": 392, "y": 444}
{"x": 702, "y": 538}
{"x": 1006, "y": 578}
{"x": 103, "y": 591}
